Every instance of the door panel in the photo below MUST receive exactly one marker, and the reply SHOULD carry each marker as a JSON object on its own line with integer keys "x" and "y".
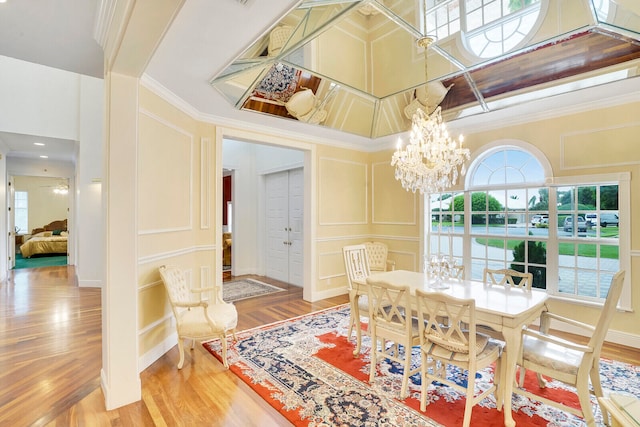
{"x": 284, "y": 194}
{"x": 296, "y": 226}
{"x": 277, "y": 189}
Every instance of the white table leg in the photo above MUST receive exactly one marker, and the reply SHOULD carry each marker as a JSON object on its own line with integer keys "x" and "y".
{"x": 513, "y": 340}
{"x": 355, "y": 310}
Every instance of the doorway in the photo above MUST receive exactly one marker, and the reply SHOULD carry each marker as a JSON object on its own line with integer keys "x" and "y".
{"x": 284, "y": 202}
{"x": 38, "y": 218}
{"x": 250, "y": 164}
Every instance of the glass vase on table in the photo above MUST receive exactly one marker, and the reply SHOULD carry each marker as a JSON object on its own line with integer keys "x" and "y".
{"x": 439, "y": 269}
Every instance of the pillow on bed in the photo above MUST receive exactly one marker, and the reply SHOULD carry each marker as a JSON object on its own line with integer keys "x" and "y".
{"x": 42, "y": 234}
{"x": 64, "y": 234}
{"x": 56, "y": 232}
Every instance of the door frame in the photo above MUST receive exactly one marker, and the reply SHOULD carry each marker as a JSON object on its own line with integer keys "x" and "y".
{"x": 310, "y": 292}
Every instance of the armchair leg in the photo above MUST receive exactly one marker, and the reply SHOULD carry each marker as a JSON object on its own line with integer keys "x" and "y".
{"x": 181, "y": 351}
{"x": 223, "y": 342}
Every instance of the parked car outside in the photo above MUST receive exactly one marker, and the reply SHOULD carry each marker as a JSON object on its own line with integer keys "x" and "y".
{"x": 537, "y": 219}
{"x": 568, "y": 223}
{"x": 592, "y": 219}
{"x": 609, "y": 219}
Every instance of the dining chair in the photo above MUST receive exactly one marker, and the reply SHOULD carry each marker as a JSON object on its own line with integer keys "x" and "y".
{"x": 391, "y": 323}
{"x": 459, "y": 344}
{"x": 504, "y": 277}
{"x": 378, "y": 253}
{"x": 197, "y": 319}
{"x": 457, "y": 272}
{"x": 509, "y": 277}
{"x": 356, "y": 264}
{"x": 568, "y": 361}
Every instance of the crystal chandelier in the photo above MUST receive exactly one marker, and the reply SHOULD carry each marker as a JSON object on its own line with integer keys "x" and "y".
{"x": 431, "y": 160}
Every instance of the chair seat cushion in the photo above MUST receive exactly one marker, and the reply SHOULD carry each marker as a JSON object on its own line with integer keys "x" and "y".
{"x": 363, "y": 305}
{"x": 193, "y": 322}
{"x": 551, "y": 355}
{"x": 453, "y": 343}
{"x": 313, "y": 117}
{"x": 301, "y": 103}
{"x": 444, "y": 353}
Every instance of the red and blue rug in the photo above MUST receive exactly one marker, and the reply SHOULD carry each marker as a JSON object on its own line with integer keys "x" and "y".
{"x": 304, "y": 367}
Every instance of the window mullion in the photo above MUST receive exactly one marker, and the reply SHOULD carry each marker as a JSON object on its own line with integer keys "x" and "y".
{"x": 552, "y": 244}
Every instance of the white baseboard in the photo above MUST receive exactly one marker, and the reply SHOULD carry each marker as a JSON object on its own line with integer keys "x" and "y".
{"x": 90, "y": 283}
{"x": 329, "y": 293}
{"x": 128, "y": 394}
{"x": 157, "y": 352}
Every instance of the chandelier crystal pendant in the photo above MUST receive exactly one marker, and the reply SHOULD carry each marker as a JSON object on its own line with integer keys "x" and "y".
{"x": 431, "y": 160}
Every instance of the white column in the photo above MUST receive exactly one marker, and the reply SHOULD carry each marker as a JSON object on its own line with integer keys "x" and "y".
{"x": 120, "y": 379}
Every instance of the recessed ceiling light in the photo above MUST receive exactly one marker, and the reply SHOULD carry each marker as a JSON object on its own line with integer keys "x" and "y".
{"x": 35, "y": 143}
{"x": 44, "y": 157}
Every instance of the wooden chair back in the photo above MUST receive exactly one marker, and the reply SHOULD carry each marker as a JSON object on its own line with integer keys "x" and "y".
{"x": 509, "y": 277}
{"x": 356, "y": 263}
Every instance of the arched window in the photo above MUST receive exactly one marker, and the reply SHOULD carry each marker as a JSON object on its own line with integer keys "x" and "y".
{"x": 490, "y": 27}
{"x": 567, "y": 234}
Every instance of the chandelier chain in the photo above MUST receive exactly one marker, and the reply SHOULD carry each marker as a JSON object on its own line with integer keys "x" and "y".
{"x": 432, "y": 161}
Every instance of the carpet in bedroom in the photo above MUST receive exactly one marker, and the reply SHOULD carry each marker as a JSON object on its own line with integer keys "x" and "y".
{"x": 39, "y": 261}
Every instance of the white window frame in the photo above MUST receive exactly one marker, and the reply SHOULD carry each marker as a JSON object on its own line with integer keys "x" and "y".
{"x": 622, "y": 180}
{"x": 15, "y": 209}
{"x": 448, "y": 27}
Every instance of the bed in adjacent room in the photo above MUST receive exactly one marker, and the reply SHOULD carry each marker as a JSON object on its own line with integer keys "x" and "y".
{"x": 50, "y": 239}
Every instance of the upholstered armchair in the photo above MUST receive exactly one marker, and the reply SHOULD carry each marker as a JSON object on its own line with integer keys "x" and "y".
{"x": 428, "y": 102}
{"x": 197, "y": 319}
{"x": 377, "y": 253}
{"x": 304, "y": 106}
{"x": 278, "y": 38}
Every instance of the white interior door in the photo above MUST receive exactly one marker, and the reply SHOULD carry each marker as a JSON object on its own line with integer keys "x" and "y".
{"x": 277, "y": 224}
{"x": 284, "y": 194}
{"x": 296, "y": 226}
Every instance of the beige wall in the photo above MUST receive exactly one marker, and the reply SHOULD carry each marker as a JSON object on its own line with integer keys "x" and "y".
{"x": 601, "y": 141}
{"x": 357, "y": 199}
{"x": 173, "y": 228}
{"x": 44, "y": 205}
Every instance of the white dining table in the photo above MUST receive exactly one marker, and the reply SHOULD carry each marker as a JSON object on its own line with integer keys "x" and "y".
{"x": 504, "y": 308}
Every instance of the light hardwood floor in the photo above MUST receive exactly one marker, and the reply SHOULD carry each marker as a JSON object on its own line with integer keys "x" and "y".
{"x": 50, "y": 359}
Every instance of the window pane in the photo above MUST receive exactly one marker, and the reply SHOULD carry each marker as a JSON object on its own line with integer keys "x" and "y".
{"x": 587, "y": 198}
{"x": 21, "y": 212}
{"x": 609, "y": 197}
{"x": 567, "y": 282}
{"x": 588, "y": 281}
{"x": 610, "y": 257}
{"x": 586, "y": 255}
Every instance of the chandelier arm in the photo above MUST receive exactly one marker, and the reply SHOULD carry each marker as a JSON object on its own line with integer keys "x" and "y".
{"x": 430, "y": 162}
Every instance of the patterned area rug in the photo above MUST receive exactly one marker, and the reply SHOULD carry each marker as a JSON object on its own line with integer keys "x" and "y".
{"x": 304, "y": 368}
{"x": 279, "y": 84}
{"x": 246, "y": 288}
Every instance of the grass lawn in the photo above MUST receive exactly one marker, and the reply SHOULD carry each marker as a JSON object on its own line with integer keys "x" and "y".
{"x": 584, "y": 249}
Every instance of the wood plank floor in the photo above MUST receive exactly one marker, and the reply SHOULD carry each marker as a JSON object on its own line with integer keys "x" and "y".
{"x": 50, "y": 359}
